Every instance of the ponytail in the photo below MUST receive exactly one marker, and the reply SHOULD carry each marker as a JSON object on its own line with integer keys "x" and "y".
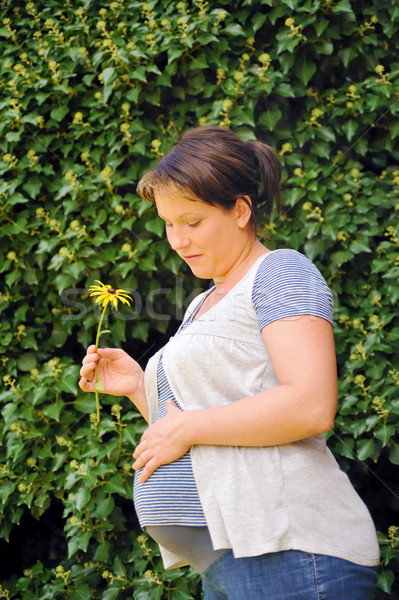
{"x": 269, "y": 177}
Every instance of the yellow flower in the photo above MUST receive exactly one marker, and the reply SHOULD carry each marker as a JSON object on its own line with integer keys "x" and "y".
{"x": 78, "y": 118}
{"x": 227, "y": 105}
{"x": 221, "y": 75}
{"x": 12, "y": 256}
{"x": 265, "y": 59}
{"x": 298, "y": 172}
{"x": 107, "y": 294}
{"x": 286, "y": 147}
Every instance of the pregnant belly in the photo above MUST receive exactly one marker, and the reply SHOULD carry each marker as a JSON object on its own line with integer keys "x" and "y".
{"x": 169, "y": 496}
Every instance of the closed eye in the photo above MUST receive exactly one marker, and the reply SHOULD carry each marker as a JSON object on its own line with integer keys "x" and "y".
{"x": 194, "y": 224}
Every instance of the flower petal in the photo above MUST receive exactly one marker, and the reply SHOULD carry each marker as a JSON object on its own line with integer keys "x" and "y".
{"x": 124, "y": 300}
{"x": 102, "y": 298}
{"x": 106, "y": 300}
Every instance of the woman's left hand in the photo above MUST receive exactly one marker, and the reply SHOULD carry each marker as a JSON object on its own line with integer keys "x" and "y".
{"x": 161, "y": 443}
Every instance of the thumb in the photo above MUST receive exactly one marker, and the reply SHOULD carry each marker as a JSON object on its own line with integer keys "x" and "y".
{"x": 171, "y": 406}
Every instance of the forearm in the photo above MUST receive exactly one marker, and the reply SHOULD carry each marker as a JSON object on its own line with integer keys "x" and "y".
{"x": 280, "y": 415}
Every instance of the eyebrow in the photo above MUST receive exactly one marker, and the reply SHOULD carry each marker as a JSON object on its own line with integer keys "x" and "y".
{"x": 182, "y": 216}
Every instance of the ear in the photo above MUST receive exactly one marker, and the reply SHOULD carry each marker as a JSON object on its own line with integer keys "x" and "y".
{"x": 243, "y": 209}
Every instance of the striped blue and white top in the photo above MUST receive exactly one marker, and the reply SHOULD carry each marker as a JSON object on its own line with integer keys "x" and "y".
{"x": 169, "y": 496}
{"x": 286, "y": 284}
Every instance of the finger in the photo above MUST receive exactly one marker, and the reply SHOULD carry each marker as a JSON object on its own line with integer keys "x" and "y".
{"x": 90, "y": 358}
{"x": 139, "y": 450}
{"x": 142, "y": 460}
{"x": 91, "y": 349}
{"x": 145, "y": 435}
{"x": 85, "y": 385}
{"x": 149, "y": 469}
{"x": 111, "y": 353}
{"x": 87, "y": 369}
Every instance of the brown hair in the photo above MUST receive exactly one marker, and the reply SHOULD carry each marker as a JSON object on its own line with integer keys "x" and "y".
{"x": 212, "y": 164}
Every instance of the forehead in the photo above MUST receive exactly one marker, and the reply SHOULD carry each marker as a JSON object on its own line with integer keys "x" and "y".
{"x": 170, "y": 204}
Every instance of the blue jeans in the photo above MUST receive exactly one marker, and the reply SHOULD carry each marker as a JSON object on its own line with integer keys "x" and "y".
{"x": 288, "y": 575}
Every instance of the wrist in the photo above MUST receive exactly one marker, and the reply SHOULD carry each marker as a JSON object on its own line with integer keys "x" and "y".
{"x": 138, "y": 397}
{"x": 189, "y": 427}
{"x": 137, "y": 392}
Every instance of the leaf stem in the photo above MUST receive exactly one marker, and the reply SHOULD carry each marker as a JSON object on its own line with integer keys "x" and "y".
{"x": 95, "y": 370}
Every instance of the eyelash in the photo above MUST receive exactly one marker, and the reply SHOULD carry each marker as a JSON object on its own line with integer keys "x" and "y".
{"x": 189, "y": 224}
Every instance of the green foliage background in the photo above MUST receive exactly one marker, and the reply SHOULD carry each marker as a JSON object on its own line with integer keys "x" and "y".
{"x": 92, "y": 93}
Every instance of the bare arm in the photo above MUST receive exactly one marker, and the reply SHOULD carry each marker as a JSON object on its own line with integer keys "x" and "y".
{"x": 303, "y": 404}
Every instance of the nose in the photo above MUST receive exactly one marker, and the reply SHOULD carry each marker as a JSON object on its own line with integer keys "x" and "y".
{"x": 177, "y": 238}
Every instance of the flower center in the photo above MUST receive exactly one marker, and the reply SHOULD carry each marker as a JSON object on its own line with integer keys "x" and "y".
{"x": 111, "y": 291}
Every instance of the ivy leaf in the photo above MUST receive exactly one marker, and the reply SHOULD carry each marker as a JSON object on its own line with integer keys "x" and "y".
{"x": 27, "y": 362}
{"x": 305, "y": 70}
{"x": 350, "y": 128}
{"x": 342, "y": 6}
{"x": 59, "y": 113}
{"x": 108, "y": 75}
{"x": 112, "y": 593}
{"x": 81, "y": 498}
{"x": 384, "y": 434}
{"x": 105, "y": 507}
{"x": 115, "y": 485}
{"x": 270, "y": 118}
{"x": 394, "y": 455}
{"x": 53, "y": 410}
{"x": 365, "y": 448}
{"x": 385, "y": 581}
{"x": 234, "y": 29}
{"x": 81, "y": 592}
{"x": 78, "y": 542}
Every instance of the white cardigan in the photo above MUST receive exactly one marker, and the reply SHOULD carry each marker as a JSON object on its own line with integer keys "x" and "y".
{"x": 257, "y": 500}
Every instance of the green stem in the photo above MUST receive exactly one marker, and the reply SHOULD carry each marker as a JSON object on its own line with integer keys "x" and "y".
{"x": 95, "y": 370}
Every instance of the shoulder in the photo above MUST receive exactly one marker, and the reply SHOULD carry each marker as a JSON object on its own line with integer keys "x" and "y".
{"x": 288, "y": 283}
{"x": 287, "y": 266}
{"x": 285, "y": 258}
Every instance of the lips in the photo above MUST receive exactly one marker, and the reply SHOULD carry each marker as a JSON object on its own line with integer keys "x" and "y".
{"x": 191, "y": 257}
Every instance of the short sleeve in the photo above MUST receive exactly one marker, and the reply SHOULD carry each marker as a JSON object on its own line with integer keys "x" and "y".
{"x": 289, "y": 284}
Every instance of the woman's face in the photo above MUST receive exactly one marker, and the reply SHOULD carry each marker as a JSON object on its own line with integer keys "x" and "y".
{"x": 208, "y": 238}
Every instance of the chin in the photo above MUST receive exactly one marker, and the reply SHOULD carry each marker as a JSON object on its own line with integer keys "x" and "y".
{"x": 201, "y": 273}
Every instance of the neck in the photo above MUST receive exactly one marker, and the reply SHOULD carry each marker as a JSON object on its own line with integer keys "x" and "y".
{"x": 244, "y": 262}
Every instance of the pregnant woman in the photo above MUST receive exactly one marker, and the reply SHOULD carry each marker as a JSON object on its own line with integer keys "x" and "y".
{"x": 233, "y": 475}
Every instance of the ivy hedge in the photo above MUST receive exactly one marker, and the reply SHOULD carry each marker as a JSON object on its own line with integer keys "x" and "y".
{"x": 92, "y": 93}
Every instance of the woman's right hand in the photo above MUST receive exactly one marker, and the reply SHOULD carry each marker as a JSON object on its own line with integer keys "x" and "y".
{"x": 119, "y": 374}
